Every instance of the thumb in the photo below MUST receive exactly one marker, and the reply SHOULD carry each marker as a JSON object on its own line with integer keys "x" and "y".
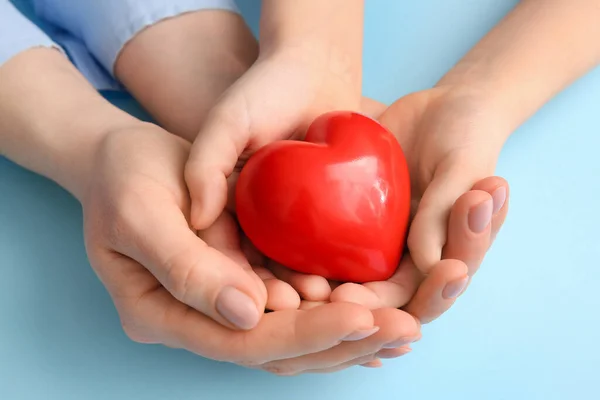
{"x": 213, "y": 158}
{"x": 194, "y": 273}
{"x": 428, "y": 231}
{"x": 251, "y": 114}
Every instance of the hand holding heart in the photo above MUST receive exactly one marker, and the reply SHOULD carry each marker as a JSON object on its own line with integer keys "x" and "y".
{"x": 249, "y": 117}
{"x": 257, "y": 110}
{"x": 451, "y": 147}
{"x": 465, "y": 247}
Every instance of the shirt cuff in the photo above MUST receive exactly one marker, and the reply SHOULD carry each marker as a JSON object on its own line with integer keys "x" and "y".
{"x": 106, "y": 26}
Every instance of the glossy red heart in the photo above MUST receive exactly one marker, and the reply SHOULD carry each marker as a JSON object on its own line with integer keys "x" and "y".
{"x": 335, "y": 205}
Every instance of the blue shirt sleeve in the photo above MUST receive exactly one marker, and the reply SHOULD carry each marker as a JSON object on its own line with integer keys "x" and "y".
{"x": 106, "y": 26}
{"x": 17, "y": 33}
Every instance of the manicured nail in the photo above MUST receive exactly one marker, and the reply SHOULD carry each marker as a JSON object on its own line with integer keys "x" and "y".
{"x": 237, "y": 308}
{"x": 454, "y": 288}
{"x": 398, "y": 353}
{"x": 402, "y": 342}
{"x": 499, "y": 197}
{"x": 361, "y": 334}
{"x": 373, "y": 364}
{"x": 480, "y": 216}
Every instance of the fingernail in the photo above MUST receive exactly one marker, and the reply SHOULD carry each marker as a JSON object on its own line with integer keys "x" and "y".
{"x": 399, "y": 353}
{"x": 401, "y": 342}
{"x": 237, "y": 308}
{"x": 373, "y": 364}
{"x": 499, "y": 197}
{"x": 480, "y": 216}
{"x": 454, "y": 288}
{"x": 361, "y": 334}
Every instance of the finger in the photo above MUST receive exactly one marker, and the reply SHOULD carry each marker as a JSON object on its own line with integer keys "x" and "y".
{"x": 371, "y": 107}
{"x": 428, "y": 230}
{"x": 251, "y": 253}
{"x": 279, "y": 335}
{"x": 394, "y": 293}
{"x": 194, "y": 273}
{"x": 242, "y": 122}
{"x": 394, "y": 353}
{"x": 369, "y": 361}
{"x": 446, "y": 281}
{"x": 280, "y": 295}
{"x": 376, "y": 363}
{"x": 213, "y": 157}
{"x": 499, "y": 189}
{"x": 127, "y": 281}
{"x": 149, "y": 311}
{"x": 309, "y": 287}
{"x": 307, "y": 305}
{"x": 397, "y": 328}
{"x": 469, "y": 229}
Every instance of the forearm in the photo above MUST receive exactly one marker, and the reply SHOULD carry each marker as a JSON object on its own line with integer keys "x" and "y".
{"x": 188, "y": 62}
{"x": 51, "y": 119}
{"x": 536, "y": 51}
{"x": 332, "y": 29}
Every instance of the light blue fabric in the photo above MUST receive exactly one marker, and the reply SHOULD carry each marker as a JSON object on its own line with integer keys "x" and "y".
{"x": 92, "y": 33}
{"x": 17, "y": 33}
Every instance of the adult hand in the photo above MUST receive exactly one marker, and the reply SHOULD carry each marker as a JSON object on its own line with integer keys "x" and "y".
{"x": 451, "y": 146}
{"x": 456, "y": 203}
{"x": 169, "y": 286}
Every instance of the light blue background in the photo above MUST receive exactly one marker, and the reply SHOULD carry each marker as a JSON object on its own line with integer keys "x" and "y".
{"x": 528, "y": 328}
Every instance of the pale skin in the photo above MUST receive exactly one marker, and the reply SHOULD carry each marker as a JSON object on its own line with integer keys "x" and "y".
{"x": 128, "y": 176}
{"x": 166, "y": 282}
{"x": 452, "y": 134}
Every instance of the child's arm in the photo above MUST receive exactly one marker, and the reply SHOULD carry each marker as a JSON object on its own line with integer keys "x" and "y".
{"x": 536, "y": 51}
{"x": 334, "y": 28}
{"x": 309, "y": 63}
{"x": 189, "y": 61}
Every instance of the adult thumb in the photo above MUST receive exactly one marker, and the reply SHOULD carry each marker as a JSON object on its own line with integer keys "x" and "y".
{"x": 429, "y": 228}
{"x": 195, "y": 273}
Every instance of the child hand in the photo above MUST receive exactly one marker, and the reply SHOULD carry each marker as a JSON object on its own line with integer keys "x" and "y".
{"x": 276, "y": 99}
{"x": 166, "y": 282}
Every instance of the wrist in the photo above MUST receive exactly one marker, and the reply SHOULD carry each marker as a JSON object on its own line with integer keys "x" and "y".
{"x": 328, "y": 34}
{"x": 51, "y": 119}
{"x": 334, "y": 81}
{"x": 481, "y": 108}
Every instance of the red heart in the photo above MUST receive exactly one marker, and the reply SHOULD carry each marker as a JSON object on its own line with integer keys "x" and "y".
{"x": 335, "y": 205}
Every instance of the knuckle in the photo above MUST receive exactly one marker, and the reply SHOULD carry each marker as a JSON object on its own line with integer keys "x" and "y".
{"x": 415, "y": 247}
{"x": 135, "y": 333}
{"x": 180, "y": 274}
{"x": 123, "y": 215}
{"x": 135, "y": 325}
